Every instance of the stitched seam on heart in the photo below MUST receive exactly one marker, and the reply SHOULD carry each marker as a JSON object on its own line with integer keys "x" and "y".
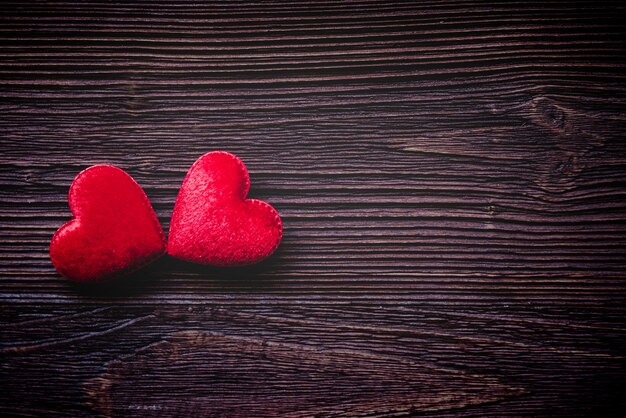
{"x": 54, "y": 237}
{"x": 242, "y": 167}
{"x": 155, "y": 222}
{"x": 74, "y": 216}
{"x": 277, "y": 219}
{"x": 279, "y": 223}
{"x": 244, "y": 172}
{"x": 190, "y": 171}
{"x": 144, "y": 198}
{"x": 147, "y": 205}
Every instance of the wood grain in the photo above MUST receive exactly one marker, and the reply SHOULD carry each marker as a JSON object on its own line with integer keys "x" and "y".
{"x": 287, "y": 380}
{"x": 451, "y": 177}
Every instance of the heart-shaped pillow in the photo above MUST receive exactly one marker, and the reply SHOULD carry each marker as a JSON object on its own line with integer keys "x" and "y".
{"x": 213, "y": 222}
{"x": 114, "y": 230}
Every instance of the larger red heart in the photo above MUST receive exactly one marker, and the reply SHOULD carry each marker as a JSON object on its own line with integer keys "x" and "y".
{"x": 114, "y": 230}
{"x": 213, "y": 222}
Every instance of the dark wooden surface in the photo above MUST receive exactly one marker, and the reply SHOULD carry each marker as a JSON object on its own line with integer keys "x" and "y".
{"x": 451, "y": 177}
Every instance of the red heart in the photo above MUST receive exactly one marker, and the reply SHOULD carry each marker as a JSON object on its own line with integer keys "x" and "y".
{"x": 114, "y": 230}
{"x": 213, "y": 222}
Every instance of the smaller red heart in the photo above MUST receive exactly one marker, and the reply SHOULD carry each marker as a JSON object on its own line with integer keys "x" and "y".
{"x": 213, "y": 222}
{"x": 114, "y": 231}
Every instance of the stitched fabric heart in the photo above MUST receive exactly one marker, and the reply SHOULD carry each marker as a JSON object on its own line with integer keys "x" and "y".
{"x": 114, "y": 230}
{"x": 213, "y": 222}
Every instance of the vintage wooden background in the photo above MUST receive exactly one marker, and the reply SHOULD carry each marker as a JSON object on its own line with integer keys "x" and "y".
{"x": 451, "y": 176}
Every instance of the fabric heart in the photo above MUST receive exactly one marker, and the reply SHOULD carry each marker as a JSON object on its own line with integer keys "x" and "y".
{"x": 114, "y": 230}
{"x": 213, "y": 222}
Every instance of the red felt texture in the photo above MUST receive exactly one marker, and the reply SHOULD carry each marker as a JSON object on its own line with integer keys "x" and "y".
{"x": 114, "y": 231}
{"x": 213, "y": 223}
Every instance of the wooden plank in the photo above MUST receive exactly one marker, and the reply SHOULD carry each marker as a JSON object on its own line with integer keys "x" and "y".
{"x": 450, "y": 176}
